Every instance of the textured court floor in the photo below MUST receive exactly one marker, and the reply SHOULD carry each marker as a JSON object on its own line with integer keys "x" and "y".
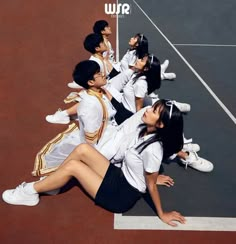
{"x": 41, "y": 41}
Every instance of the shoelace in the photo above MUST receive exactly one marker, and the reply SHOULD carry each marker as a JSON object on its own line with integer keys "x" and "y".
{"x": 18, "y": 187}
{"x": 188, "y": 162}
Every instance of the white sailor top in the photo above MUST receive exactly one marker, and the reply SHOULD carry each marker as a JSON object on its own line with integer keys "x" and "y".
{"x": 91, "y": 121}
{"x": 129, "y": 59}
{"x": 133, "y": 89}
{"x": 135, "y": 164}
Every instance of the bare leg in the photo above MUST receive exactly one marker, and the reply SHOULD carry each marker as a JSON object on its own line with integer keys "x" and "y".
{"x": 91, "y": 157}
{"x": 85, "y": 163}
{"x": 89, "y": 179}
{"x": 72, "y": 110}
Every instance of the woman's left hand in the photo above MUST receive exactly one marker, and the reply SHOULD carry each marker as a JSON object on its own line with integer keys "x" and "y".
{"x": 165, "y": 180}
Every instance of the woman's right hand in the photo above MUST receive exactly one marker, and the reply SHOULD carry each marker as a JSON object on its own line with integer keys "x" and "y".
{"x": 170, "y": 217}
{"x": 164, "y": 180}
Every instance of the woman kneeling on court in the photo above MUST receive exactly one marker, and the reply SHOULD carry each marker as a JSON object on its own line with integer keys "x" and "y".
{"x": 118, "y": 189}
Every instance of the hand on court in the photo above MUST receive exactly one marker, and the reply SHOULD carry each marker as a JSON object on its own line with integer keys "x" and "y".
{"x": 170, "y": 217}
{"x": 164, "y": 180}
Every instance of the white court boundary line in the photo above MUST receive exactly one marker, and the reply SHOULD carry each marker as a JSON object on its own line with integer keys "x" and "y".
{"x": 191, "y": 68}
{"x": 117, "y": 36}
{"x": 193, "y": 223}
{"x": 202, "y": 45}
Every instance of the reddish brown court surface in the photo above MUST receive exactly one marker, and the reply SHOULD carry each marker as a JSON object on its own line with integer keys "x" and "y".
{"x": 41, "y": 41}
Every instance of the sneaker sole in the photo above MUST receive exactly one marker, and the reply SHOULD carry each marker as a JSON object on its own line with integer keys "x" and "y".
{"x": 26, "y": 203}
{"x": 59, "y": 122}
{"x": 73, "y": 87}
{"x": 202, "y": 170}
{"x": 183, "y": 108}
{"x": 199, "y": 169}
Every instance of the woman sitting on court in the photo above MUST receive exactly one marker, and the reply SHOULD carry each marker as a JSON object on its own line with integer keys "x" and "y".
{"x": 118, "y": 189}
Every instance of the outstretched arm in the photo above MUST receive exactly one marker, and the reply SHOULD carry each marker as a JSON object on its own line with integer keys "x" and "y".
{"x": 119, "y": 81}
{"x": 166, "y": 217}
{"x": 139, "y": 103}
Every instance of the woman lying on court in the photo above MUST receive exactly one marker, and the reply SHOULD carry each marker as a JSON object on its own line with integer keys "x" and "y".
{"x": 118, "y": 189}
{"x": 138, "y": 49}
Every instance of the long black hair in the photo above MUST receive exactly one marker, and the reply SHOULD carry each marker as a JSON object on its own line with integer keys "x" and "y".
{"x": 152, "y": 72}
{"x": 141, "y": 48}
{"x": 171, "y": 135}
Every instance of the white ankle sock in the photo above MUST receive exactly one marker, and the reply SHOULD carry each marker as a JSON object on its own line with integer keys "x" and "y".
{"x": 29, "y": 188}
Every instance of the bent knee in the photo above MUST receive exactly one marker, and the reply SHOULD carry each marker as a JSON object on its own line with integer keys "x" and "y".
{"x": 71, "y": 165}
{"x": 82, "y": 149}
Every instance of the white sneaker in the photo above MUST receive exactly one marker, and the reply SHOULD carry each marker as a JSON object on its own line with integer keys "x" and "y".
{"x": 168, "y": 76}
{"x": 183, "y": 107}
{"x": 164, "y": 66}
{"x": 18, "y": 196}
{"x": 198, "y": 163}
{"x": 74, "y": 85}
{"x": 191, "y": 147}
{"x": 52, "y": 192}
{"x": 58, "y": 118}
{"x": 154, "y": 94}
{"x": 186, "y": 141}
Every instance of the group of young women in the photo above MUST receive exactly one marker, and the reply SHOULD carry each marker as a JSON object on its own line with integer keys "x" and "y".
{"x": 117, "y": 149}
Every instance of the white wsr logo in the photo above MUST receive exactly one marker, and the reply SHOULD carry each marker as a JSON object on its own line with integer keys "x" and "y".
{"x": 112, "y": 8}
